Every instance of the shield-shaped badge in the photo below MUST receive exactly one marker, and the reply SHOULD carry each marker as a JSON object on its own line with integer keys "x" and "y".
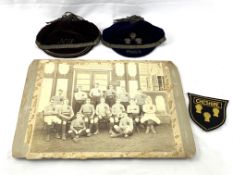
{"x": 208, "y": 113}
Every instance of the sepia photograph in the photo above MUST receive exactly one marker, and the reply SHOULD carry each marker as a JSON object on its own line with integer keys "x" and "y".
{"x": 104, "y": 108}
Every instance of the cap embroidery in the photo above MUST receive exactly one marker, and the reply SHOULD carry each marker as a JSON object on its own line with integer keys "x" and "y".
{"x": 133, "y": 38}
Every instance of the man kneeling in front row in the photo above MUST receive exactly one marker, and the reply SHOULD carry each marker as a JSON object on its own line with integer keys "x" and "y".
{"x": 78, "y": 128}
{"x": 125, "y": 127}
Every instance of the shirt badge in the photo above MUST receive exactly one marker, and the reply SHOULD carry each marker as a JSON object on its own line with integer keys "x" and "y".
{"x": 207, "y": 112}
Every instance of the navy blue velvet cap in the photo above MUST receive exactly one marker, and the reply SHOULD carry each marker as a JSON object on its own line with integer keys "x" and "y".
{"x": 68, "y": 36}
{"x": 133, "y": 36}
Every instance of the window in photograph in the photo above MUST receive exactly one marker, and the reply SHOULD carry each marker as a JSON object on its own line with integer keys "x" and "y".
{"x": 63, "y": 69}
{"x": 143, "y": 82}
{"x": 46, "y": 91}
{"x": 63, "y": 85}
{"x": 49, "y": 68}
{"x": 155, "y": 83}
{"x": 133, "y": 87}
{"x": 102, "y": 79}
{"x": 161, "y": 82}
{"x": 143, "y": 68}
{"x": 121, "y": 84}
{"x": 120, "y": 69}
{"x": 132, "y": 69}
{"x": 84, "y": 81}
{"x": 160, "y": 104}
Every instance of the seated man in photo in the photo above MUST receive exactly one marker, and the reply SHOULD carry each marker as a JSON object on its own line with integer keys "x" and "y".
{"x": 117, "y": 110}
{"x": 102, "y": 113}
{"x": 125, "y": 127}
{"x": 51, "y": 119}
{"x": 65, "y": 113}
{"x": 133, "y": 112}
{"x": 149, "y": 116}
{"x": 78, "y": 128}
{"x": 88, "y": 111}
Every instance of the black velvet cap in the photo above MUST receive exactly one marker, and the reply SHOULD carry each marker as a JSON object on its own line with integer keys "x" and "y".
{"x": 133, "y": 36}
{"x": 68, "y": 36}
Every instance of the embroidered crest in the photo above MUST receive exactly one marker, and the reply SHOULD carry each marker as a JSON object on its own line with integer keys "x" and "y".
{"x": 208, "y": 113}
{"x": 133, "y": 39}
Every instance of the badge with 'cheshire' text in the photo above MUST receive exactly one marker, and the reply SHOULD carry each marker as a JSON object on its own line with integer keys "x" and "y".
{"x": 208, "y": 113}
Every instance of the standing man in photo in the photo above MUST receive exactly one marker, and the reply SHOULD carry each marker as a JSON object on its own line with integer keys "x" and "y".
{"x": 110, "y": 95}
{"x": 123, "y": 96}
{"x": 59, "y": 98}
{"x": 95, "y": 94}
{"x": 79, "y": 99}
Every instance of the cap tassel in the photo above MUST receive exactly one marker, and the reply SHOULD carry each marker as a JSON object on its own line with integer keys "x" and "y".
{"x": 68, "y": 16}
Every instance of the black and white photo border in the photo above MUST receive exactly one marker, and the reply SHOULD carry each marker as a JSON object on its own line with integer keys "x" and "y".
{"x": 178, "y": 150}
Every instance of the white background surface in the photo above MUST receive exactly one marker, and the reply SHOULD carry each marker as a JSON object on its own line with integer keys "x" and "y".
{"x": 199, "y": 42}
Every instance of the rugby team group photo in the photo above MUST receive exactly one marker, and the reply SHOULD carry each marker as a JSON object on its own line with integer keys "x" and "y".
{"x": 96, "y": 111}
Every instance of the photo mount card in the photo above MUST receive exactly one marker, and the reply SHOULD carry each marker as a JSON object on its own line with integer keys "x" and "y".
{"x": 79, "y": 109}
